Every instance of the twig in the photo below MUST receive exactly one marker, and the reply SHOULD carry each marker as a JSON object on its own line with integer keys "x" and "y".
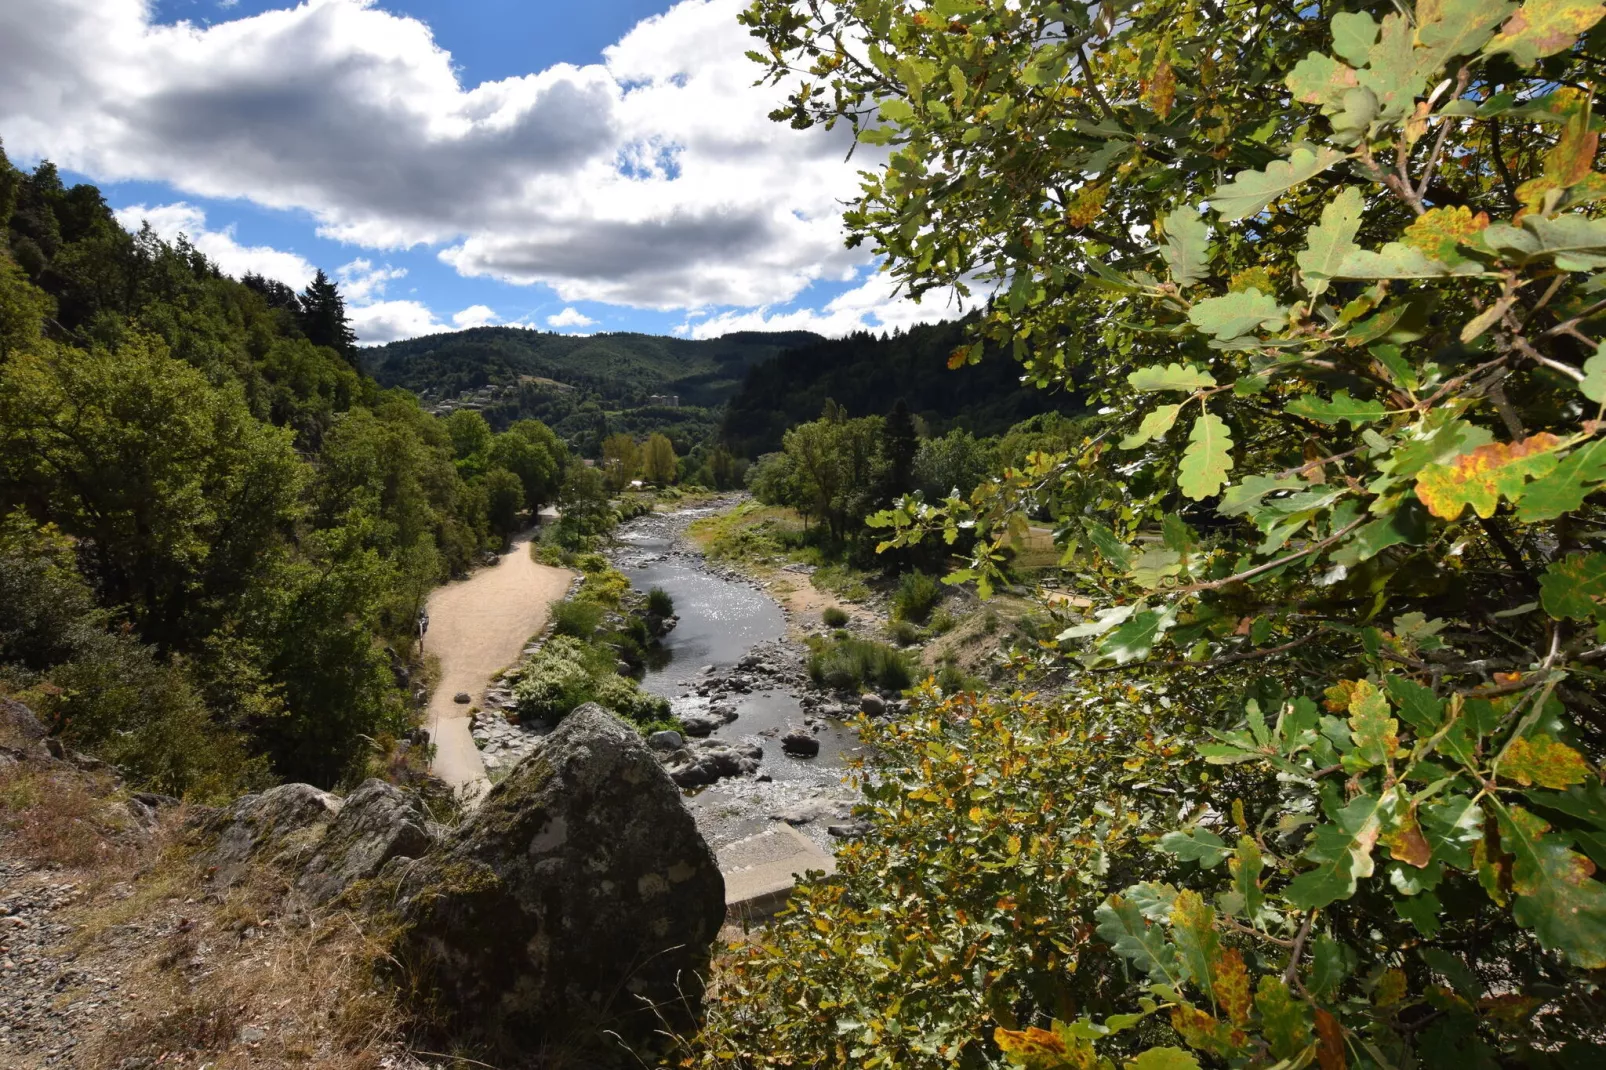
{"x": 1291, "y": 975}
{"x": 1315, "y": 547}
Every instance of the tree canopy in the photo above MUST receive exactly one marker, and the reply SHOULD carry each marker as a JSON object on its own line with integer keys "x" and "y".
{"x": 1331, "y": 276}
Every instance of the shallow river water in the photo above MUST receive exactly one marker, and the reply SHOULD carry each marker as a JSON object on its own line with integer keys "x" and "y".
{"x": 723, "y": 618}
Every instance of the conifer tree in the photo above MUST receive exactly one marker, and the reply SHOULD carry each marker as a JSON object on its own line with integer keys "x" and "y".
{"x": 323, "y": 318}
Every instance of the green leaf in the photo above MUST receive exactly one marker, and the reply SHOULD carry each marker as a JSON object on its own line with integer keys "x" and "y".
{"x": 1193, "y": 928}
{"x": 1571, "y": 587}
{"x": 1545, "y": 27}
{"x": 1134, "y": 640}
{"x": 1416, "y": 703}
{"x": 1250, "y": 192}
{"x": 1112, "y": 549}
{"x": 1245, "y": 867}
{"x": 1154, "y": 566}
{"x": 1208, "y": 458}
{"x": 1450, "y": 28}
{"x": 1122, "y": 925}
{"x": 1164, "y": 1059}
{"x": 1319, "y": 79}
{"x": 1394, "y": 70}
{"x": 1284, "y": 1021}
{"x": 1593, "y": 385}
{"x": 1246, "y": 496}
{"x": 1330, "y": 242}
{"x": 1186, "y": 249}
{"x": 1188, "y": 377}
{"x": 1329, "y": 966}
{"x": 1342, "y": 851}
{"x": 1237, "y": 313}
{"x": 1354, "y": 33}
{"x": 1200, "y": 845}
{"x": 1341, "y": 408}
{"x": 1396, "y": 260}
{"x": 1563, "y": 491}
{"x": 1556, "y": 893}
{"x": 1421, "y": 910}
{"x": 1154, "y": 425}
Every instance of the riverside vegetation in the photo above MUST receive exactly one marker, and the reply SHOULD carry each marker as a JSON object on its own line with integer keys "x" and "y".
{"x": 1321, "y": 783}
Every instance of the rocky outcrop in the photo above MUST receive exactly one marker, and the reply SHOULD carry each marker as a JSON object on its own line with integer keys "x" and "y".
{"x": 579, "y": 898}
{"x": 702, "y": 761}
{"x": 281, "y": 826}
{"x": 376, "y": 823}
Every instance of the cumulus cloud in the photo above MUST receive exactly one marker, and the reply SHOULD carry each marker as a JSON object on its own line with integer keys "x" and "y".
{"x": 871, "y": 306}
{"x": 570, "y": 317}
{"x": 169, "y": 221}
{"x": 653, "y": 178}
{"x": 392, "y": 321}
{"x": 361, "y": 283}
{"x": 475, "y": 316}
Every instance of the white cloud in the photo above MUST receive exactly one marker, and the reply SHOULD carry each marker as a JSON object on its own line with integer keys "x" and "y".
{"x": 392, "y": 321}
{"x": 653, "y": 179}
{"x": 362, "y": 284}
{"x": 171, "y": 220}
{"x": 570, "y": 317}
{"x": 475, "y": 316}
{"x": 872, "y": 305}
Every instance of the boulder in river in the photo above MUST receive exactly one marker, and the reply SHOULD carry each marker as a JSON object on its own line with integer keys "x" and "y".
{"x": 800, "y": 744}
{"x": 873, "y": 705}
{"x": 704, "y": 761}
{"x": 578, "y": 899}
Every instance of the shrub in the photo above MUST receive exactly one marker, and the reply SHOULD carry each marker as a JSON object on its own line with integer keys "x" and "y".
{"x": 577, "y": 617}
{"x": 851, "y": 664}
{"x": 659, "y": 603}
{"x": 834, "y": 617}
{"x": 942, "y": 622}
{"x": 917, "y": 595}
{"x": 567, "y": 673}
{"x": 904, "y": 633}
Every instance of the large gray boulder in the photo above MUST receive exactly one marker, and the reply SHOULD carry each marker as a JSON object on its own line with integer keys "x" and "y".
{"x": 281, "y": 826}
{"x": 578, "y": 900}
{"x": 376, "y": 823}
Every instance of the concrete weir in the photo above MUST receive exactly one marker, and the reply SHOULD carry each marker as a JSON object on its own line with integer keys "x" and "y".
{"x": 761, "y": 870}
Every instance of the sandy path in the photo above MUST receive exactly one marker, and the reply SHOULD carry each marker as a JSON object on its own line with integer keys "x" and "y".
{"x": 477, "y": 627}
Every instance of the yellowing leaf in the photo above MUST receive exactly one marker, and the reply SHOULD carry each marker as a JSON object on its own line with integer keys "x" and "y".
{"x": 1557, "y": 895}
{"x": 1330, "y": 1047}
{"x": 1208, "y": 458}
{"x": 1153, "y": 426}
{"x": 1284, "y": 1020}
{"x": 1573, "y": 586}
{"x": 1544, "y": 27}
{"x": 1236, "y": 314}
{"x": 1087, "y": 205}
{"x": 1438, "y": 232}
{"x": 1480, "y": 478}
{"x": 1230, "y": 979}
{"x": 1540, "y": 760}
{"x": 1450, "y": 28}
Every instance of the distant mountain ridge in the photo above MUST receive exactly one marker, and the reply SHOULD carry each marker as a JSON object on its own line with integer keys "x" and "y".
{"x": 623, "y": 369}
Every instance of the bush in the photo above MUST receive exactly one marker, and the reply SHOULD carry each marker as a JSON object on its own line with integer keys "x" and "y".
{"x": 917, "y": 595}
{"x": 942, "y": 622}
{"x": 567, "y": 673}
{"x": 834, "y": 617}
{"x": 904, "y": 633}
{"x": 578, "y": 617}
{"x": 851, "y": 664}
{"x": 659, "y": 603}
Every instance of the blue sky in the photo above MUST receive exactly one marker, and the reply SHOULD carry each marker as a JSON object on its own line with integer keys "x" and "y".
{"x": 583, "y": 167}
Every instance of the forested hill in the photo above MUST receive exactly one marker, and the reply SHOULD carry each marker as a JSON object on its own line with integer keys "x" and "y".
{"x": 622, "y": 369}
{"x": 866, "y": 374}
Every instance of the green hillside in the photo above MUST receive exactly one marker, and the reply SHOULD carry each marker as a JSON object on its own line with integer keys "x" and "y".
{"x": 583, "y": 387}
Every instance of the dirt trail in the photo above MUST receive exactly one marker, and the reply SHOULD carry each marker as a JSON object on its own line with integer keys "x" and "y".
{"x": 477, "y": 627}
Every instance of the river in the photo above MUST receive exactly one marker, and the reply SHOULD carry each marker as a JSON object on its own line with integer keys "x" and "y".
{"x": 724, "y": 619}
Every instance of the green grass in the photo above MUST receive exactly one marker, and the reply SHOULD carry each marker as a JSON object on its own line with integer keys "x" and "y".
{"x": 853, "y": 664}
{"x": 834, "y": 617}
{"x": 916, "y": 596}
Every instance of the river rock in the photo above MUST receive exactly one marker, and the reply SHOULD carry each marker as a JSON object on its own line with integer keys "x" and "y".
{"x": 706, "y": 760}
{"x": 665, "y": 740}
{"x": 578, "y": 893}
{"x": 800, "y": 744}
{"x": 376, "y": 823}
{"x": 873, "y": 705}
{"x": 699, "y": 725}
{"x": 462, "y": 698}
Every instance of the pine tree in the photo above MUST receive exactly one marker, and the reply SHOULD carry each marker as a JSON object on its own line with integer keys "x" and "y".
{"x": 899, "y": 444}
{"x": 323, "y": 318}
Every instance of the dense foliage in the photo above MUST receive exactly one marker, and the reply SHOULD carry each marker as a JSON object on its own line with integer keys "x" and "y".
{"x": 860, "y": 371}
{"x": 1332, "y": 274}
{"x": 236, "y": 529}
